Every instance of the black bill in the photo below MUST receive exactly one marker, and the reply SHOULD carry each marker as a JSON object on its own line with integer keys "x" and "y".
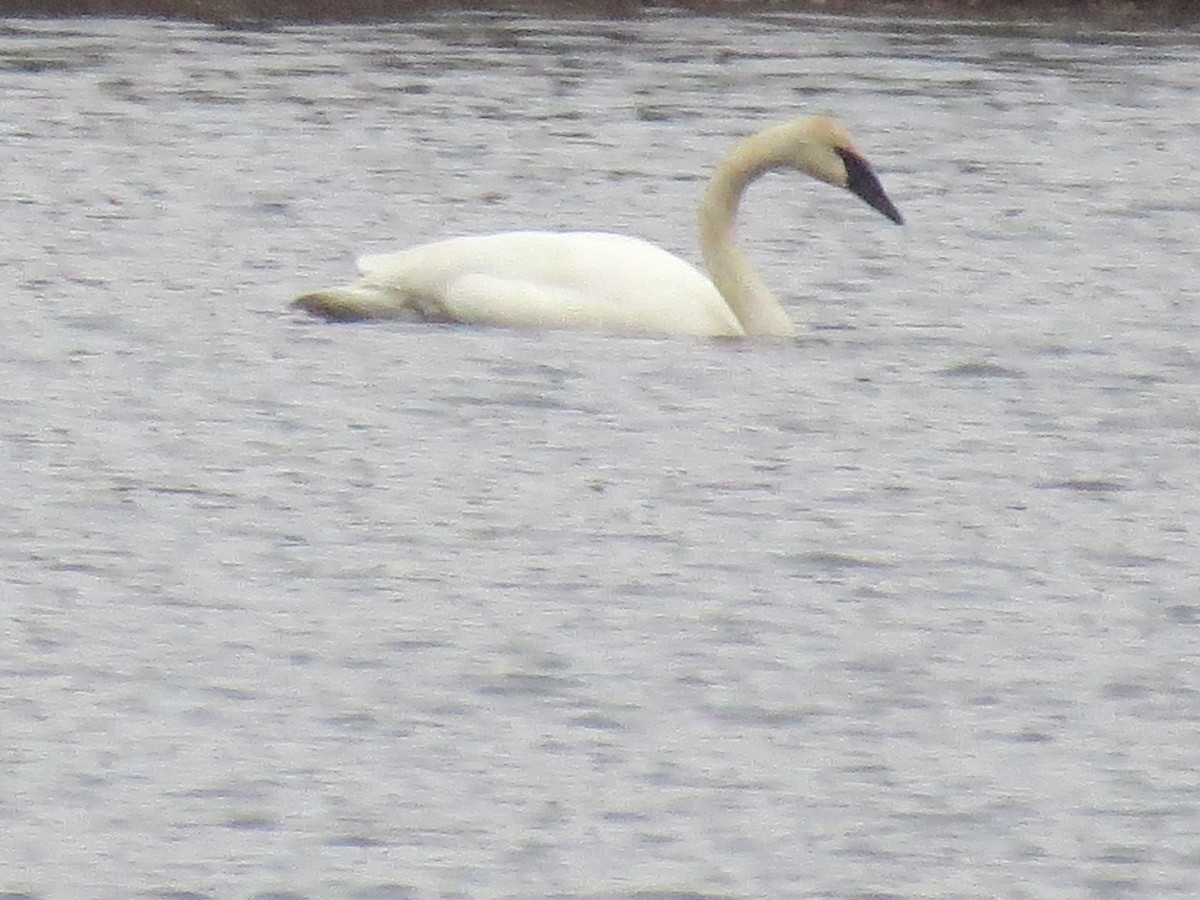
{"x": 861, "y": 180}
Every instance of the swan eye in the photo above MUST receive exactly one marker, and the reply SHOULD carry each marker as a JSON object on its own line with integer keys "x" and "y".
{"x": 862, "y": 181}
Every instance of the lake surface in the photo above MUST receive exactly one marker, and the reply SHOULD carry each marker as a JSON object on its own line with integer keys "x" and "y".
{"x": 907, "y": 607}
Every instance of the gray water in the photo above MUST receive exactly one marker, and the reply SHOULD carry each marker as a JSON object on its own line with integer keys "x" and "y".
{"x": 906, "y": 608}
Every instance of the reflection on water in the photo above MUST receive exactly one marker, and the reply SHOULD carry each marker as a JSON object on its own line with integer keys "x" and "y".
{"x": 905, "y": 607}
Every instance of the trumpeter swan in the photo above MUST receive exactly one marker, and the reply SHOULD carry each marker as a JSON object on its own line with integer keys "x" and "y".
{"x": 603, "y": 281}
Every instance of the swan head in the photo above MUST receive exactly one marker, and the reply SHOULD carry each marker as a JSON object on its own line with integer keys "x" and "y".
{"x": 820, "y": 147}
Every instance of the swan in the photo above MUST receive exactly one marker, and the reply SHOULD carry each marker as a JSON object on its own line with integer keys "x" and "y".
{"x": 610, "y": 282}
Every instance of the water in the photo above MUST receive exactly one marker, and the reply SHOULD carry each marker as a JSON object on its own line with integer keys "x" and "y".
{"x": 909, "y": 607}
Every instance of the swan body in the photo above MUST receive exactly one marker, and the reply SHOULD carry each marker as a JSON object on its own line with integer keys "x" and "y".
{"x": 534, "y": 279}
{"x": 608, "y": 282}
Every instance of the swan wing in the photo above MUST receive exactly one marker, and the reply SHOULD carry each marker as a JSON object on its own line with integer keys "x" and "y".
{"x": 484, "y": 299}
{"x": 541, "y": 279}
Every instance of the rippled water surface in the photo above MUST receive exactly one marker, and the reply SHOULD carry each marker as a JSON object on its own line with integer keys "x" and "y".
{"x": 908, "y": 607}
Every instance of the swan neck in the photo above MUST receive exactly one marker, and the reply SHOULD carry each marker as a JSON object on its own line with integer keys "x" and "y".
{"x": 749, "y": 298}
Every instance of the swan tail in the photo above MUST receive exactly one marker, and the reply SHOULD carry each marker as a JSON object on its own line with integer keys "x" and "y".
{"x": 353, "y": 303}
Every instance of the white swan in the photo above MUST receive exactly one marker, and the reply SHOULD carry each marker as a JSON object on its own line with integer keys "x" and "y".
{"x": 603, "y": 281}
